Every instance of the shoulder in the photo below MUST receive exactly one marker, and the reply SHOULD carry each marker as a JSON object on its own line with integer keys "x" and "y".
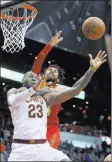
{"x": 12, "y": 91}
{"x": 16, "y": 91}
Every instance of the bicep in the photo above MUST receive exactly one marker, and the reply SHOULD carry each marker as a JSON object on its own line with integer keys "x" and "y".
{"x": 49, "y": 98}
{"x": 55, "y": 98}
{"x": 63, "y": 87}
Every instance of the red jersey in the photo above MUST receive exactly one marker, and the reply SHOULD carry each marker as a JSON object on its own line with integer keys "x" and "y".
{"x": 53, "y": 115}
{"x": 53, "y": 133}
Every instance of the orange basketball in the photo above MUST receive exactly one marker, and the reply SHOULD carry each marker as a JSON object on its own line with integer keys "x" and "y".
{"x": 93, "y": 28}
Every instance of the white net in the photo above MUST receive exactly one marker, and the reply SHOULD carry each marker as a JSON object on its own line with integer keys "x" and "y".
{"x": 14, "y": 29}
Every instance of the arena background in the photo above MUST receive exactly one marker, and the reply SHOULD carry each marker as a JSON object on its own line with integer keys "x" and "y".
{"x": 78, "y": 115}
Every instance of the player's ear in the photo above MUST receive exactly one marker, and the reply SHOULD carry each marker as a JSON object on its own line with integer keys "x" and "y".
{"x": 40, "y": 76}
{"x": 58, "y": 80}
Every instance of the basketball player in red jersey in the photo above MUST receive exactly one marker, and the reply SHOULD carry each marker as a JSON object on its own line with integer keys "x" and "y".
{"x": 53, "y": 133}
{"x": 54, "y": 75}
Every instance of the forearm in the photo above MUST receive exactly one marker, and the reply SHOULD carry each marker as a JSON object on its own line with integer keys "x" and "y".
{"x": 83, "y": 82}
{"x": 69, "y": 93}
{"x": 15, "y": 99}
{"x": 37, "y": 66}
{"x": 75, "y": 90}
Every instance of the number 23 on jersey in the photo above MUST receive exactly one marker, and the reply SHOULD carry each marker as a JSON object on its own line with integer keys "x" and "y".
{"x": 35, "y": 111}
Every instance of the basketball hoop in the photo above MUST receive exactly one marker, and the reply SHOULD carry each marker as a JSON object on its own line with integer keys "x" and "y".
{"x": 15, "y": 27}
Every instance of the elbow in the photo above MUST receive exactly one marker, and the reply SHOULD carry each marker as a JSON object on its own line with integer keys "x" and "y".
{"x": 11, "y": 101}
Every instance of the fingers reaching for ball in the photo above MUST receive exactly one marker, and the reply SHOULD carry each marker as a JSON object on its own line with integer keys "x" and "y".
{"x": 99, "y": 60}
{"x": 102, "y": 56}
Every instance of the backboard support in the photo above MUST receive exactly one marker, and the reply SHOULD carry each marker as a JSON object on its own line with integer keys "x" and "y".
{"x": 9, "y": 5}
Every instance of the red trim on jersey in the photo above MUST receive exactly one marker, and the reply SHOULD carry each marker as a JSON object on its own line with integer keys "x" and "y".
{"x": 53, "y": 136}
{"x": 37, "y": 65}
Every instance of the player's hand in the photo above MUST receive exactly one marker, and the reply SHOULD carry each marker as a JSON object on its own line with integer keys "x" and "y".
{"x": 56, "y": 39}
{"x": 98, "y": 61}
{"x": 41, "y": 84}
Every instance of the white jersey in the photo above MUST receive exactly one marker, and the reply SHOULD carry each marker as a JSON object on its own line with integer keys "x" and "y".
{"x": 29, "y": 115}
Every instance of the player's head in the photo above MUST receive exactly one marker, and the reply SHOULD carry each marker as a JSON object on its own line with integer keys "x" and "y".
{"x": 30, "y": 79}
{"x": 55, "y": 74}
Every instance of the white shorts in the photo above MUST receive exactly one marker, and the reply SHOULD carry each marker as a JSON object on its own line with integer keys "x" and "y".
{"x": 35, "y": 152}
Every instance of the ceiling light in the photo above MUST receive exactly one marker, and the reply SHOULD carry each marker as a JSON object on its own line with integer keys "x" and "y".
{"x": 87, "y": 102}
{"x": 49, "y": 62}
{"x": 74, "y": 78}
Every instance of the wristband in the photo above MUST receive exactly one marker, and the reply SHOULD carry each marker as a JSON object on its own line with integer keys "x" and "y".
{"x": 92, "y": 69}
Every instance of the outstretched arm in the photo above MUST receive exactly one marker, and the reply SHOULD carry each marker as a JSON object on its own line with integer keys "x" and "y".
{"x": 94, "y": 65}
{"x": 62, "y": 96}
{"x": 37, "y": 66}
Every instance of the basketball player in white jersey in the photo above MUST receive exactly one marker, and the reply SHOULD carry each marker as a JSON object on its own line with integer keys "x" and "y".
{"x": 29, "y": 108}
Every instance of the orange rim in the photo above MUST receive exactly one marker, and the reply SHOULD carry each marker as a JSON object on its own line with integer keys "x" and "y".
{"x": 21, "y": 18}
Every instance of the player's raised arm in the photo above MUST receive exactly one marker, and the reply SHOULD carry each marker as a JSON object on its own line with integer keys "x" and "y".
{"x": 94, "y": 65}
{"x": 37, "y": 66}
{"x": 62, "y": 96}
{"x": 100, "y": 59}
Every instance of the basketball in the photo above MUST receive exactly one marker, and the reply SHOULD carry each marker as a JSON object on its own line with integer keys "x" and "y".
{"x": 93, "y": 28}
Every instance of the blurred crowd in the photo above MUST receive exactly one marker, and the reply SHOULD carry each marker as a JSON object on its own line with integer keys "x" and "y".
{"x": 90, "y": 131}
{"x": 85, "y": 154}
{"x": 5, "y": 143}
{"x": 75, "y": 154}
